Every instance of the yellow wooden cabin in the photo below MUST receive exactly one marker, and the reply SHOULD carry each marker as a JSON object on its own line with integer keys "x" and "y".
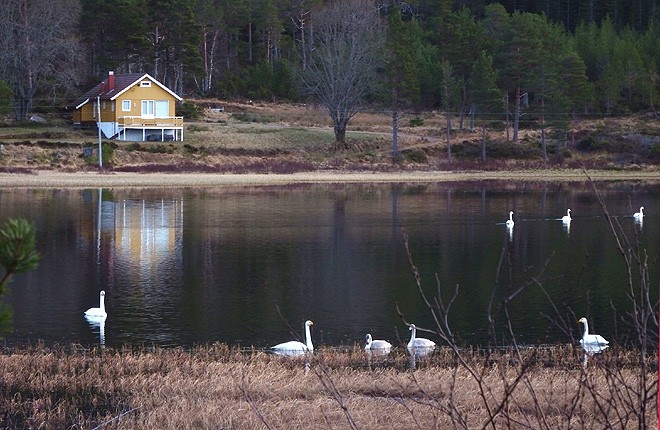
{"x": 133, "y": 106}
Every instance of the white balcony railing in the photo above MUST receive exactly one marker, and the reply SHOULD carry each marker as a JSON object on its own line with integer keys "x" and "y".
{"x": 136, "y": 121}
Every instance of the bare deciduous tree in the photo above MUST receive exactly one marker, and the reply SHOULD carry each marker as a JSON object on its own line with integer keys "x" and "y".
{"x": 343, "y": 59}
{"x": 38, "y": 47}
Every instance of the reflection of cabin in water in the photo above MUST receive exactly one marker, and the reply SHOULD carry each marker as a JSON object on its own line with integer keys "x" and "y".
{"x": 149, "y": 232}
{"x": 144, "y": 234}
{"x": 132, "y": 106}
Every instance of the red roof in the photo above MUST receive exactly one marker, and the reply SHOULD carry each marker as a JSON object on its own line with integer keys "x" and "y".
{"x": 121, "y": 84}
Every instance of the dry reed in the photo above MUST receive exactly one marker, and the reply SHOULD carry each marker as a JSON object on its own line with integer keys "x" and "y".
{"x": 215, "y": 387}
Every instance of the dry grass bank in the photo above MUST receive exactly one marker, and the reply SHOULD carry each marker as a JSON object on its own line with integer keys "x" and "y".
{"x": 284, "y": 138}
{"x": 214, "y": 387}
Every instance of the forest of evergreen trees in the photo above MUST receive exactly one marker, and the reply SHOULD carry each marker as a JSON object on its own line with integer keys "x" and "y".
{"x": 549, "y": 59}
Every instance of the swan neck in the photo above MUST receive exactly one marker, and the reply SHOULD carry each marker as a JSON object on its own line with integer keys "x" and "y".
{"x": 586, "y": 328}
{"x": 308, "y": 338}
{"x": 102, "y": 303}
{"x": 413, "y": 333}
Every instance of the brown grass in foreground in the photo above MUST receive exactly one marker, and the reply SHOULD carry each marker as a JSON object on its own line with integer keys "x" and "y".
{"x": 216, "y": 387}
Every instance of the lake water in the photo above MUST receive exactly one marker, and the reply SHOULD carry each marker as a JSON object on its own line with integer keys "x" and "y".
{"x": 190, "y": 266}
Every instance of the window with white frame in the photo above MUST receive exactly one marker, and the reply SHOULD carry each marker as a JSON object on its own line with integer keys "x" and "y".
{"x": 126, "y": 105}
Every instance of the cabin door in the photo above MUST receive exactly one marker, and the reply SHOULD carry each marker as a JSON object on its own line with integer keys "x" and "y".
{"x": 147, "y": 109}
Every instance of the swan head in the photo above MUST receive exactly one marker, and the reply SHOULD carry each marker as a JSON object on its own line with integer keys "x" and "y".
{"x": 368, "y": 338}
{"x": 308, "y": 323}
{"x": 102, "y": 293}
{"x": 568, "y": 211}
{"x": 583, "y": 320}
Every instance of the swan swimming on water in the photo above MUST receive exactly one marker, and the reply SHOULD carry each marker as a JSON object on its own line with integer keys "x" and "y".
{"x": 509, "y": 222}
{"x": 381, "y": 346}
{"x": 100, "y": 311}
{"x": 419, "y": 345}
{"x": 294, "y": 347}
{"x": 592, "y": 342}
{"x": 567, "y": 218}
{"x": 639, "y": 215}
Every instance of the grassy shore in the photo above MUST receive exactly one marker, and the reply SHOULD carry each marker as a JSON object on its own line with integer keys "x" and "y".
{"x": 54, "y": 179}
{"x": 276, "y": 143}
{"x": 215, "y": 387}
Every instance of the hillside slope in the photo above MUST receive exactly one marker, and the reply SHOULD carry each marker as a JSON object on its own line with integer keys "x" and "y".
{"x": 279, "y": 138}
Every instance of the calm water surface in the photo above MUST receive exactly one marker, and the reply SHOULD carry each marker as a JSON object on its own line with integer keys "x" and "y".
{"x": 187, "y": 266}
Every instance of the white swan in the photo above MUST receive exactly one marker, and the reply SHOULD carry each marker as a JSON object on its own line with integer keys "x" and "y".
{"x": 567, "y": 218}
{"x": 639, "y": 215}
{"x": 419, "y": 345}
{"x": 100, "y": 311}
{"x": 509, "y": 222}
{"x": 592, "y": 342}
{"x": 381, "y": 346}
{"x": 294, "y": 347}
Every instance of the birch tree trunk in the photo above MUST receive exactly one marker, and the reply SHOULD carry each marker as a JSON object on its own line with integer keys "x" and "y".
{"x": 38, "y": 48}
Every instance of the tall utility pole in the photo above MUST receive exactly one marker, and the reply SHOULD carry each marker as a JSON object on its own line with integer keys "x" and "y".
{"x": 516, "y": 115}
{"x": 98, "y": 124}
{"x": 506, "y": 113}
{"x": 395, "y": 133}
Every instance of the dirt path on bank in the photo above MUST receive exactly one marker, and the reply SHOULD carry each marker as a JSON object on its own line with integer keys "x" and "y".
{"x": 51, "y": 179}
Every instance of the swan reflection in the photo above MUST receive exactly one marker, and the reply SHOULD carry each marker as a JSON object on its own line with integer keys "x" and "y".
{"x": 418, "y": 353}
{"x": 421, "y": 351}
{"x": 98, "y": 322}
{"x": 591, "y": 349}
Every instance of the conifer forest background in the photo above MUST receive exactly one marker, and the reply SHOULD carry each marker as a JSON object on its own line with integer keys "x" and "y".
{"x": 553, "y": 59}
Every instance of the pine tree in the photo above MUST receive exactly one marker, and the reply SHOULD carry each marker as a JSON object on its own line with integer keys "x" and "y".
{"x": 18, "y": 254}
{"x": 484, "y": 95}
{"x": 402, "y": 70}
